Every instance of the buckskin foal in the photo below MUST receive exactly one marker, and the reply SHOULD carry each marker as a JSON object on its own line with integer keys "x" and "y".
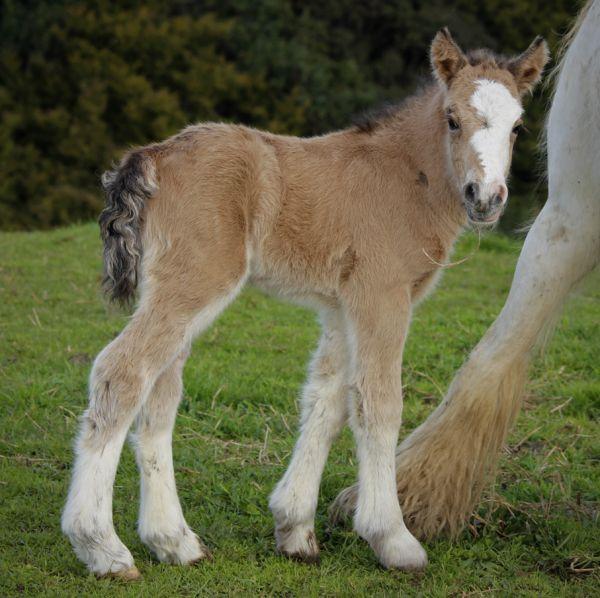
{"x": 354, "y": 224}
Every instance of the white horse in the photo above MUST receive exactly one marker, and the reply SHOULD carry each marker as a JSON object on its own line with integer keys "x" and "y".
{"x": 443, "y": 465}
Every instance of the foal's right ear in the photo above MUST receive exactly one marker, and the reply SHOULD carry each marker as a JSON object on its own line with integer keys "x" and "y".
{"x": 527, "y": 68}
{"x": 446, "y": 57}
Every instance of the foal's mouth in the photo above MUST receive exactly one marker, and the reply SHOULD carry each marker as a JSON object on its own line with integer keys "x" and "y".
{"x": 483, "y": 220}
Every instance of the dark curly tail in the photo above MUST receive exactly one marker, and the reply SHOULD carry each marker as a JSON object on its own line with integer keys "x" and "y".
{"x": 127, "y": 189}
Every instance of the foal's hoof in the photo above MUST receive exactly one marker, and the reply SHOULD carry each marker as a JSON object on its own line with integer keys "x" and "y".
{"x": 207, "y": 555}
{"x": 298, "y": 543}
{"x": 400, "y": 551}
{"x": 183, "y": 548}
{"x": 130, "y": 574}
{"x": 307, "y": 558}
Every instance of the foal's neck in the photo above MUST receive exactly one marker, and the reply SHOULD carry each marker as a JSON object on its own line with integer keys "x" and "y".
{"x": 419, "y": 130}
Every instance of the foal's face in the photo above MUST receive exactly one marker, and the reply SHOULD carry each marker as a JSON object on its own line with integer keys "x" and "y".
{"x": 483, "y": 119}
{"x": 482, "y": 111}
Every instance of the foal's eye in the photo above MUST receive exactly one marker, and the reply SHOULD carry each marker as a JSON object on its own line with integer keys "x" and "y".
{"x": 517, "y": 129}
{"x": 452, "y": 123}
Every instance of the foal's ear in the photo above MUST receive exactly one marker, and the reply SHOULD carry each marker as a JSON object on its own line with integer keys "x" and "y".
{"x": 446, "y": 57}
{"x": 527, "y": 67}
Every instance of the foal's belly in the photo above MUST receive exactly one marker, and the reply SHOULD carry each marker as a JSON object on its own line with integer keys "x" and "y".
{"x": 297, "y": 280}
{"x": 302, "y": 295}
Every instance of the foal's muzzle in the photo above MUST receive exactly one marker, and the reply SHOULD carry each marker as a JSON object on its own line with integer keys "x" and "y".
{"x": 486, "y": 203}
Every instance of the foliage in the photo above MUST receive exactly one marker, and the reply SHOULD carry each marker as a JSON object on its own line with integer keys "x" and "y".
{"x": 81, "y": 80}
{"x": 536, "y": 535}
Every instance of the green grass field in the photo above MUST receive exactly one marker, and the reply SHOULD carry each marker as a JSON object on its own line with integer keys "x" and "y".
{"x": 537, "y": 532}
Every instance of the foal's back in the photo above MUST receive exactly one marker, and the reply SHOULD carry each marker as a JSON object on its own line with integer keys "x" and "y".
{"x": 301, "y": 215}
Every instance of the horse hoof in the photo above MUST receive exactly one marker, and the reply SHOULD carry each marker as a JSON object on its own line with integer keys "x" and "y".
{"x": 130, "y": 574}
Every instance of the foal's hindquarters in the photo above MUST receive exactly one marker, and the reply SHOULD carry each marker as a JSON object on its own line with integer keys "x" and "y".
{"x": 206, "y": 230}
{"x": 194, "y": 264}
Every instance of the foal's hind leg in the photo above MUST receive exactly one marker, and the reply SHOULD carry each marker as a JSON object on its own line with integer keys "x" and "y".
{"x": 161, "y": 524}
{"x": 324, "y": 413}
{"x": 116, "y": 392}
{"x": 123, "y": 376}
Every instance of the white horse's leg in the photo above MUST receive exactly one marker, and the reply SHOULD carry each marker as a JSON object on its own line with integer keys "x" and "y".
{"x": 442, "y": 466}
{"x": 324, "y": 413}
{"x": 161, "y": 524}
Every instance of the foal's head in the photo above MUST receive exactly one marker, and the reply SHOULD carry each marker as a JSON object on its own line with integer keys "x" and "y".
{"x": 483, "y": 112}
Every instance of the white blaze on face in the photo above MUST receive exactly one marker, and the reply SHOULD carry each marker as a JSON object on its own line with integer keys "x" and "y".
{"x": 500, "y": 110}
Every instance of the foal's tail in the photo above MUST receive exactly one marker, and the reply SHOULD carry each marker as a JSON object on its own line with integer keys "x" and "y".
{"x": 127, "y": 189}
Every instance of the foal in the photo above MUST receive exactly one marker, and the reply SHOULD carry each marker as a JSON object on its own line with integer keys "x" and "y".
{"x": 354, "y": 224}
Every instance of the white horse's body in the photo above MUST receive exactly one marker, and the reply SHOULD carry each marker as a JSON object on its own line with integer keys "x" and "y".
{"x": 442, "y": 466}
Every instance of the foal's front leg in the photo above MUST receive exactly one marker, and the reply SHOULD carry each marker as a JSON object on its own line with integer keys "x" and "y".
{"x": 377, "y": 326}
{"x": 324, "y": 413}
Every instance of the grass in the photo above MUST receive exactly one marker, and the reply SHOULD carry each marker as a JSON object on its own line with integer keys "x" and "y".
{"x": 536, "y": 534}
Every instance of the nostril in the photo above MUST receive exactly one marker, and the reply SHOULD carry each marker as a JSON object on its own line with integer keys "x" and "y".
{"x": 470, "y": 191}
{"x": 501, "y": 193}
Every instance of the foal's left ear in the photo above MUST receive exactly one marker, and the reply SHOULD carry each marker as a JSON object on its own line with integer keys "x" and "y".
{"x": 527, "y": 67}
{"x": 446, "y": 57}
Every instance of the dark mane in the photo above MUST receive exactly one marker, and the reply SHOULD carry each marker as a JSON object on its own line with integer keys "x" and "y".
{"x": 487, "y": 59}
{"x": 373, "y": 118}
